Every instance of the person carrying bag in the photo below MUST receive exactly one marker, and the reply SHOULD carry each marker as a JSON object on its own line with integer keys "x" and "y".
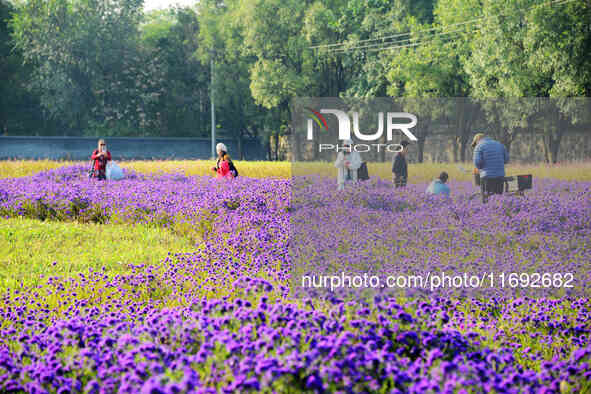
{"x": 224, "y": 166}
{"x": 100, "y": 158}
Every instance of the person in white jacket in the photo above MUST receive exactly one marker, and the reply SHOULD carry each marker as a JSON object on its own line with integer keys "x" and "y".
{"x": 347, "y": 164}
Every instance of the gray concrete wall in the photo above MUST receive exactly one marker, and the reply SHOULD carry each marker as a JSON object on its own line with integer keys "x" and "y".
{"x": 80, "y": 148}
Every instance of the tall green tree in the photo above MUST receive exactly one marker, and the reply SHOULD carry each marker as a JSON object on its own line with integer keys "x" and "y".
{"x": 221, "y": 38}
{"x": 182, "y": 104}
{"x": 360, "y": 29}
{"x": 534, "y": 48}
{"x": 20, "y": 111}
{"x": 87, "y": 69}
{"x": 381, "y": 24}
{"x": 283, "y": 63}
{"x": 429, "y": 65}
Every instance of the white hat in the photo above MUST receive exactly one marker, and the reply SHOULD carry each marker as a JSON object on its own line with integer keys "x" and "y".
{"x": 220, "y": 147}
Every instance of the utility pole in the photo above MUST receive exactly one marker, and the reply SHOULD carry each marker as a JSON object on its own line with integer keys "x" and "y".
{"x": 212, "y": 110}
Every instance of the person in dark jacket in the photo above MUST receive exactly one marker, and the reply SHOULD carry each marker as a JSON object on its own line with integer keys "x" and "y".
{"x": 100, "y": 156}
{"x": 400, "y": 167}
{"x": 490, "y": 157}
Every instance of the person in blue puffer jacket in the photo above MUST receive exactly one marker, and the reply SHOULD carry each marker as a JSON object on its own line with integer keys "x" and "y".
{"x": 490, "y": 157}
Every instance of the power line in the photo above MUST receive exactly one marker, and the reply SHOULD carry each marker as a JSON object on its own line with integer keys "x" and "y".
{"x": 387, "y": 45}
{"x": 394, "y": 35}
{"x": 471, "y": 21}
{"x": 558, "y": 2}
{"x": 421, "y": 43}
{"x": 394, "y": 42}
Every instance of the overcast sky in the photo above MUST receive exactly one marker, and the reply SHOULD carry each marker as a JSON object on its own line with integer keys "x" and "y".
{"x": 150, "y": 5}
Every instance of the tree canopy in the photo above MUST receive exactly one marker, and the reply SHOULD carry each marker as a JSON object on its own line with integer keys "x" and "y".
{"x": 106, "y": 67}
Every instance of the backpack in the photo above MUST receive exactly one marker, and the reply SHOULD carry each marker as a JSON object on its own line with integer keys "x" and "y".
{"x": 91, "y": 171}
{"x": 230, "y": 165}
{"x": 233, "y": 168}
{"x": 362, "y": 173}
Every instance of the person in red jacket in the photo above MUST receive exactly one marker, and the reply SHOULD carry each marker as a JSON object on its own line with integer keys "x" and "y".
{"x": 224, "y": 167}
{"x": 100, "y": 156}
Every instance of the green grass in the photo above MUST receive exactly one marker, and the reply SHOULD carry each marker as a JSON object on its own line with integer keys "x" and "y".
{"x": 29, "y": 248}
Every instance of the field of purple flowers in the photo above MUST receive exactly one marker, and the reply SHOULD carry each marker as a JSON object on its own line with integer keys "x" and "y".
{"x": 223, "y": 318}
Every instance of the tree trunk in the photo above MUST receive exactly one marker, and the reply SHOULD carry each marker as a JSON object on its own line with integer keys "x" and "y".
{"x": 295, "y": 146}
{"x": 240, "y": 152}
{"x": 506, "y": 139}
{"x": 533, "y": 147}
{"x": 554, "y": 152}
{"x": 422, "y": 138}
{"x": 464, "y": 138}
{"x": 545, "y": 143}
{"x": 291, "y": 145}
{"x": 552, "y": 141}
{"x": 555, "y": 145}
{"x": 463, "y": 144}
{"x": 421, "y": 145}
{"x": 467, "y": 116}
{"x": 277, "y": 147}
{"x": 455, "y": 149}
{"x": 459, "y": 155}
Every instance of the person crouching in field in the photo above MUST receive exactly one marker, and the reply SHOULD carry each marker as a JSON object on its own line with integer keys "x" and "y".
{"x": 224, "y": 167}
{"x": 400, "y": 167}
{"x": 438, "y": 185}
{"x": 347, "y": 164}
{"x": 490, "y": 157}
{"x": 100, "y": 156}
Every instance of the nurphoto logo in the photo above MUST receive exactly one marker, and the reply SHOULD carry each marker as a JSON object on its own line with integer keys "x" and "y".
{"x": 344, "y": 129}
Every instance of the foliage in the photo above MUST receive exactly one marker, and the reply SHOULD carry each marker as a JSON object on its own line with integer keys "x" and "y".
{"x": 222, "y": 40}
{"x": 183, "y": 102}
{"x": 88, "y": 70}
{"x": 536, "y": 49}
{"x": 20, "y": 110}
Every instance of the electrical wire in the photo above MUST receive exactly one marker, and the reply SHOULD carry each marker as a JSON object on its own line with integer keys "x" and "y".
{"x": 556, "y": 2}
{"x": 397, "y": 42}
{"x": 471, "y": 21}
{"x": 416, "y": 44}
{"x": 423, "y": 42}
